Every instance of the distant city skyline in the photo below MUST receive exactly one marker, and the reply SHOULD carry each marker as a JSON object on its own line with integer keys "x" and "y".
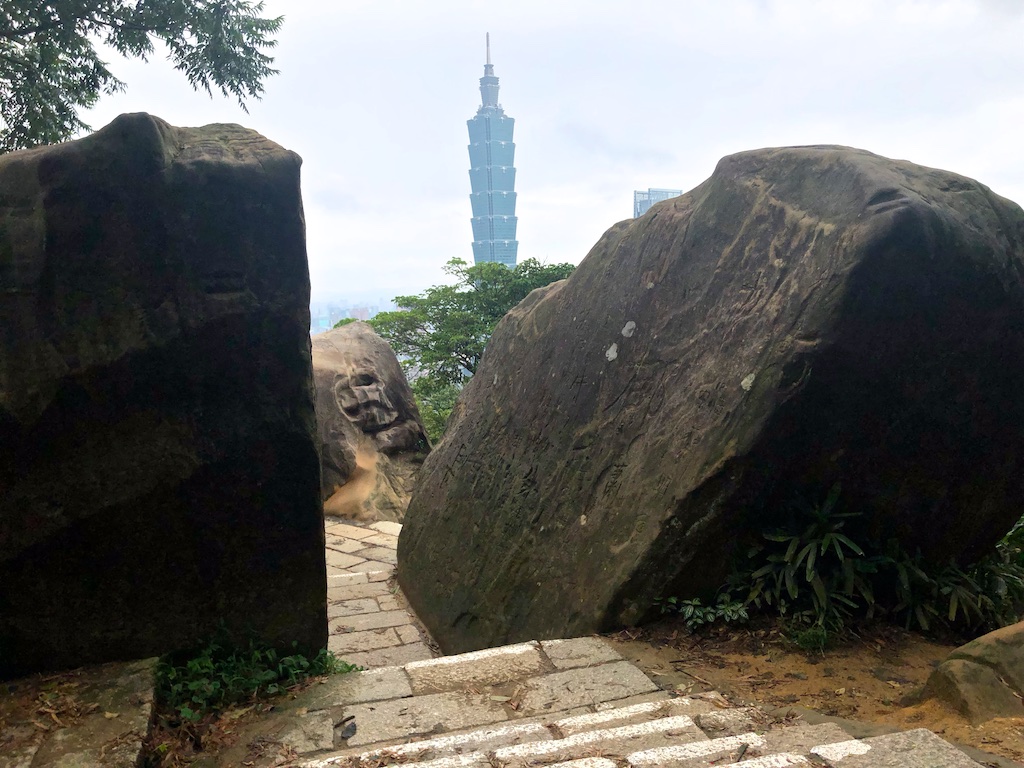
{"x": 324, "y": 315}
{"x": 492, "y": 174}
{"x": 608, "y": 99}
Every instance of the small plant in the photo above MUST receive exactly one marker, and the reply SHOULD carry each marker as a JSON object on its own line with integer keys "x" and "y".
{"x": 814, "y": 571}
{"x": 812, "y": 639}
{"x": 987, "y": 595}
{"x": 914, "y": 588}
{"x": 220, "y": 675}
{"x": 695, "y": 614}
{"x": 1001, "y": 577}
{"x": 1010, "y": 548}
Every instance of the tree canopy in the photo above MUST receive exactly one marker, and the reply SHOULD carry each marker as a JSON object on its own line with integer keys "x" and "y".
{"x": 441, "y": 333}
{"x": 50, "y": 68}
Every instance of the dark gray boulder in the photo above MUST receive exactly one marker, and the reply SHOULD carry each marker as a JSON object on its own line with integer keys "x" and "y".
{"x": 159, "y": 473}
{"x": 372, "y": 440}
{"x": 807, "y": 316}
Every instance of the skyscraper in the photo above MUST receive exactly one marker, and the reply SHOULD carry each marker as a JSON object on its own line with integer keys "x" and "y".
{"x": 642, "y": 201}
{"x": 492, "y": 175}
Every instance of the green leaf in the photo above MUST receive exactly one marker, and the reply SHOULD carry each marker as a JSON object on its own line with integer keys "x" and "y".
{"x": 791, "y": 587}
{"x": 811, "y": 559}
{"x": 808, "y": 549}
{"x": 844, "y": 599}
{"x": 791, "y": 550}
{"x": 904, "y": 576}
{"x": 761, "y": 572}
{"x": 922, "y": 618}
{"x": 849, "y": 543}
{"x": 819, "y": 589}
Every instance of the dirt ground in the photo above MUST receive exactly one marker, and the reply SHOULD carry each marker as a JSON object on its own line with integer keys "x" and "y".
{"x": 870, "y": 680}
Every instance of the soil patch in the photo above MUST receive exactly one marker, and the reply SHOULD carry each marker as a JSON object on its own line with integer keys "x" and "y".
{"x": 868, "y": 682}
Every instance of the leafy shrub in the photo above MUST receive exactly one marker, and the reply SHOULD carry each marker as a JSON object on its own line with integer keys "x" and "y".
{"x": 696, "y": 614}
{"x": 817, "y": 579}
{"x": 220, "y": 675}
{"x": 814, "y": 573}
{"x": 1001, "y": 577}
{"x": 987, "y": 595}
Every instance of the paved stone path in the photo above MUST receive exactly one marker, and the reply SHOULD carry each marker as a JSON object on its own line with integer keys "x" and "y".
{"x": 561, "y": 703}
{"x": 567, "y": 703}
{"x": 369, "y": 622}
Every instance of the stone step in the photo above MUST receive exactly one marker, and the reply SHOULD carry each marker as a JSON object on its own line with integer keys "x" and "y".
{"x": 910, "y": 749}
{"x": 539, "y": 729}
{"x": 616, "y": 741}
{"x": 653, "y": 722}
{"x": 654, "y": 735}
{"x": 565, "y": 704}
{"x": 915, "y": 749}
{"x": 727, "y": 750}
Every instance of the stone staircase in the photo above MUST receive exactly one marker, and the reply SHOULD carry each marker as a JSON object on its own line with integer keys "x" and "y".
{"x": 566, "y": 703}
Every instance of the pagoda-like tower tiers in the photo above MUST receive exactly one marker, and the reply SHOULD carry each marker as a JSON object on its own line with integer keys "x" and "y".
{"x": 492, "y": 175}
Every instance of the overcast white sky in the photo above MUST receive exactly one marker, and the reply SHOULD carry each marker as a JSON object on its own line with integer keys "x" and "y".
{"x": 608, "y": 97}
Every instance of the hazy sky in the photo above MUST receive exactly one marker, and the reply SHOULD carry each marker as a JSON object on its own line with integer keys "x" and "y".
{"x": 608, "y": 97}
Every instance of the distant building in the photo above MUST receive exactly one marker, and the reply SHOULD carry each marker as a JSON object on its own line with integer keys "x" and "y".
{"x": 492, "y": 175}
{"x": 643, "y": 200}
{"x": 323, "y": 317}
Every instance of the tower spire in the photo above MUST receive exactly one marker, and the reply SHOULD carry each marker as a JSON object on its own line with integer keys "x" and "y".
{"x": 488, "y": 83}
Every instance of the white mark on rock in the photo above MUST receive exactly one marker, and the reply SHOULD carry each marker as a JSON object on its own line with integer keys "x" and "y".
{"x": 748, "y": 382}
{"x": 833, "y": 753}
{"x": 612, "y": 353}
{"x": 650, "y": 285}
{"x": 583, "y": 519}
{"x": 495, "y": 379}
{"x": 629, "y": 329}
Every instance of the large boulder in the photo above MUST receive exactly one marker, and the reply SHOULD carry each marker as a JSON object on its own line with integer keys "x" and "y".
{"x": 807, "y": 316}
{"x": 983, "y": 679}
{"x": 372, "y": 440}
{"x": 159, "y": 474}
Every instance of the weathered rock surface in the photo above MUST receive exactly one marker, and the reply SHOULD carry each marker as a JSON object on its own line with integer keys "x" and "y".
{"x": 806, "y": 316}
{"x": 158, "y": 456}
{"x": 372, "y": 439}
{"x": 983, "y": 679}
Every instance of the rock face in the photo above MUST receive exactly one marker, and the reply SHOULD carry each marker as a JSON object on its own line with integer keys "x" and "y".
{"x": 983, "y": 679}
{"x": 371, "y": 437}
{"x": 158, "y": 457}
{"x": 806, "y": 316}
